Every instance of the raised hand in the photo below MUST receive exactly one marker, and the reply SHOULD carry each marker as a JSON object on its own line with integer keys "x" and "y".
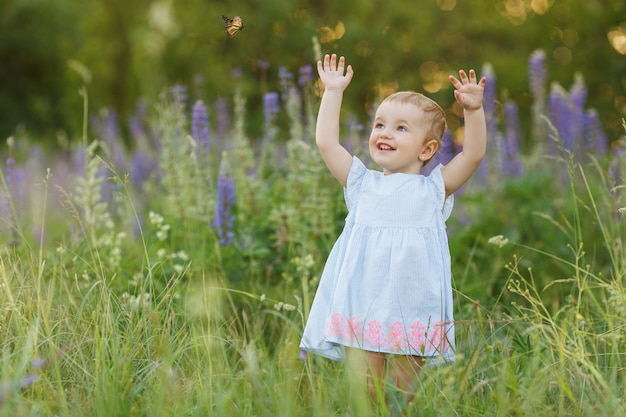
{"x": 331, "y": 72}
{"x": 469, "y": 92}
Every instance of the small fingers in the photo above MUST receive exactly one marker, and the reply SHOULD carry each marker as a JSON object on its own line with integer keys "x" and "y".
{"x": 472, "y": 76}
{"x": 341, "y": 64}
{"x": 349, "y": 72}
{"x": 333, "y": 62}
{"x": 465, "y": 79}
{"x": 455, "y": 82}
{"x": 463, "y": 76}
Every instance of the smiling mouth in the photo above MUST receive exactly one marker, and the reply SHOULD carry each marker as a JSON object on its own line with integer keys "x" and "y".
{"x": 385, "y": 147}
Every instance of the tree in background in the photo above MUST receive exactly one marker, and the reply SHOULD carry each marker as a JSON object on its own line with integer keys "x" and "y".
{"x": 136, "y": 48}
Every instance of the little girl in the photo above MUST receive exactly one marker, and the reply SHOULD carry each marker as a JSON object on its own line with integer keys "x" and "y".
{"x": 386, "y": 287}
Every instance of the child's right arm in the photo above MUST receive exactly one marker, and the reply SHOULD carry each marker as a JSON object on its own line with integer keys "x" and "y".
{"x": 337, "y": 158}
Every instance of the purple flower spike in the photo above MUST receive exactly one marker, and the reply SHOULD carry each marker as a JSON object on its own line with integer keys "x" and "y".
{"x": 271, "y": 107}
{"x": 537, "y": 74}
{"x": 305, "y": 75}
{"x": 561, "y": 115}
{"x": 511, "y": 160}
{"x": 200, "y": 124}
{"x": 285, "y": 78}
{"x": 224, "y": 219}
{"x": 263, "y": 65}
{"x": 598, "y": 142}
{"x": 223, "y": 117}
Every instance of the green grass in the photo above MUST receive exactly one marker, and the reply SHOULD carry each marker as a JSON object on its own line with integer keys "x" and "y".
{"x": 142, "y": 315}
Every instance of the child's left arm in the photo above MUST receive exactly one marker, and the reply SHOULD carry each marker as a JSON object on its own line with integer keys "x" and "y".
{"x": 469, "y": 94}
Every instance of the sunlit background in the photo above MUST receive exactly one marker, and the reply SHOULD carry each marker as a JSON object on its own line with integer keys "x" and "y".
{"x": 129, "y": 51}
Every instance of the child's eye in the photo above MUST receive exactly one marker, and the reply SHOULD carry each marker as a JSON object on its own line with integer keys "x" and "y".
{"x": 379, "y": 126}
{"x": 402, "y": 128}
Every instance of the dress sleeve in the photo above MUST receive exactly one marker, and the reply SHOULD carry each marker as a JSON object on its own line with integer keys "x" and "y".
{"x": 439, "y": 187}
{"x": 353, "y": 185}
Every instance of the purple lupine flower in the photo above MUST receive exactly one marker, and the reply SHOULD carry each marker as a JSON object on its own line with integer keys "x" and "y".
{"x": 262, "y": 65}
{"x": 305, "y": 75}
{"x": 444, "y": 155}
{"x": 38, "y": 363}
{"x": 578, "y": 92}
{"x": 142, "y": 167}
{"x": 489, "y": 102}
{"x": 494, "y": 139}
{"x": 285, "y": 79}
{"x": 597, "y": 140}
{"x": 512, "y": 163}
{"x": 537, "y": 79}
{"x": 223, "y": 116}
{"x": 200, "y": 124}
{"x": 560, "y": 114}
{"x": 271, "y": 107}
{"x": 28, "y": 380}
{"x": 577, "y": 98}
{"x": 25, "y": 382}
{"x": 110, "y": 132}
{"x": 448, "y": 148}
{"x": 537, "y": 74}
{"x": 224, "y": 219}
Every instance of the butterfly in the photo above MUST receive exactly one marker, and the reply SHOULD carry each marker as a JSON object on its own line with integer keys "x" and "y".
{"x": 233, "y": 25}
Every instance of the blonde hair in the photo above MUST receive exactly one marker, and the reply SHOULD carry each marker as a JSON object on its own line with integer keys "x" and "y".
{"x": 433, "y": 111}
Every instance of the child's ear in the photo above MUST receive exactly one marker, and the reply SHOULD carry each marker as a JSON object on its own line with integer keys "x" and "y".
{"x": 429, "y": 150}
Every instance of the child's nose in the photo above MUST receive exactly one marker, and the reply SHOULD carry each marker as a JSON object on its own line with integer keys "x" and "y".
{"x": 385, "y": 133}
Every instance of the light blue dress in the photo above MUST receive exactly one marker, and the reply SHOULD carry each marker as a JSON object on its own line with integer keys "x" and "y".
{"x": 386, "y": 286}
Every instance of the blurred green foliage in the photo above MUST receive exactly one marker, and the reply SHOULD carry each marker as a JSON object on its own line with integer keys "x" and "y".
{"x": 133, "y": 49}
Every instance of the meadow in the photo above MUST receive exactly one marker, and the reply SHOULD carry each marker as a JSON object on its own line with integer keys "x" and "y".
{"x": 175, "y": 279}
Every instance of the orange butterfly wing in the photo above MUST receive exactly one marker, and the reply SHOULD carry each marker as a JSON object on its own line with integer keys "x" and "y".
{"x": 233, "y": 25}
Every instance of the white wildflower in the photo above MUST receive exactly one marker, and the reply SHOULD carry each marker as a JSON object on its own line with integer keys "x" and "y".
{"x": 621, "y": 210}
{"x": 162, "y": 233}
{"x": 161, "y": 253}
{"x": 155, "y": 218}
{"x": 500, "y": 241}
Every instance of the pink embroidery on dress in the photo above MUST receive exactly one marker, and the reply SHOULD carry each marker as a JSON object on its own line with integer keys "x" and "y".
{"x": 353, "y": 327}
{"x": 397, "y": 338}
{"x": 373, "y": 334}
{"x": 418, "y": 338}
{"x": 334, "y": 326}
{"x": 418, "y": 341}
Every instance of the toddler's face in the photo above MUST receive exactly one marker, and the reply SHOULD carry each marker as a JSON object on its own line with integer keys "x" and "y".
{"x": 398, "y": 139}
